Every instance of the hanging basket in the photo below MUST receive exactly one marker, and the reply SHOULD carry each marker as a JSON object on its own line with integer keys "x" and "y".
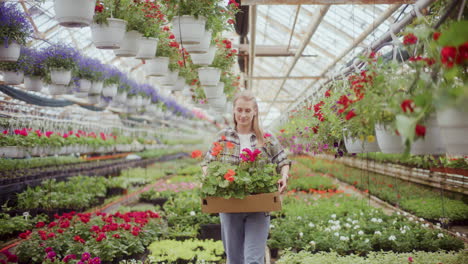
{"x": 58, "y": 89}
{"x": 10, "y": 53}
{"x": 110, "y": 90}
{"x": 158, "y": 66}
{"x": 204, "y": 59}
{"x": 60, "y": 76}
{"x": 33, "y": 83}
{"x": 387, "y": 140}
{"x": 170, "y": 79}
{"x": 432, "y": 141}
{"x": 94, "y": 99}
{"x": 121, "y": 97}
{"x": 217, "y": 103}
{"x": 454, "y": 129}
{"x": 214, "y": 91}
{"x": 129, "y": 45}
{"x": 202, "y": 47}
{"x": 179, "y": 85}
{"x": 74, "y": 13}
{"x": 96, "y": 87}
{"x": 188, "y": 29}
{"x": 354, "y": 145}
{"x": 209, "y": 75}
{"x": 13, "y": 78}
{"x": 108, "y": 36}
{"x": 147, "y": 48}
{"x": 84, "y": 86}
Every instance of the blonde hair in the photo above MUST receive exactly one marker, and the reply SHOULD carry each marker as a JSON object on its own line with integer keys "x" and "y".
{"x": 248, "y": 96}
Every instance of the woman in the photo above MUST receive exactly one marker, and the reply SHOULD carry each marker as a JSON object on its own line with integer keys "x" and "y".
{"x": 245, "y": 234}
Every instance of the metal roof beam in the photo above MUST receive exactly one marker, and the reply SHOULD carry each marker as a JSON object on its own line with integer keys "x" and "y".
{"x": 253, "y": 27}
{"x": 261, "y": 78}
{"x": 310, "y": 32}
{"x": 325, "y": 2}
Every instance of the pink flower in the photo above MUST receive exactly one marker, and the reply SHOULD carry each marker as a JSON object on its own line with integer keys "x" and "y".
{"x": 5, "y": 132}
{"x": 410, "y": 259}
{"x": 103, "y": 136}
{"x": 266, "y": 135}
{"x": 49, "y": 133}
{"x": 248, "y": 155}
{"x": 65, "y": 136}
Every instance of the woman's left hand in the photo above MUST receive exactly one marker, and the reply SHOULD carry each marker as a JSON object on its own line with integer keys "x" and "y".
{"x": 283, "y": 184}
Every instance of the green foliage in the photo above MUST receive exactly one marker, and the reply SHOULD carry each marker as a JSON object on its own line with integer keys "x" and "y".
{"x": 11, "y": 224}
{"x": 315, "y": 182}
{"x": 16, "y": 164}
{"x": 436, "y": 207}
{"x": 112, "y": 8}
{"x": 304, "y": 256}
{"x": 172, "y": 251}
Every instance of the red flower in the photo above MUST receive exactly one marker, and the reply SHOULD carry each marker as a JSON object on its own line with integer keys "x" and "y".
{"x": 60, "y": 231}
{"x": 52, "y": 224}
{"x": 229, "y": 176}
{"x": 266, "y": 135}
{"x": 350, "y": 115}
{"x": 229, "y": 145}
{"x": 462, "y": 53}
{"x": 448, "y": 55}
{"x": 231, "y": 21}
{"x": 420, "y": 130}
{"x": 99, "y": 7}
{"x": 171, "y": 36}
{"x": 327, "y": 93}
{"x": 116, "y": 235}
{"x": 407, "y": 105}
{"x": 410, "y": 39}
{"x": 101, "y": 237}
{"x": 282, "y": 130}
{"x": 65, "y": 224}
{"x": 40, "y": 224}
{"x": 25, "y": 234}
{"x": 436, "y": 35}
{"x": 196, "y": 154}
{"x": 51, "y": 234}
{"x": 5, "y": 132}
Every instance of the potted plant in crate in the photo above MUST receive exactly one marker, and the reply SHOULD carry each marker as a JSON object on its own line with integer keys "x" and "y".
{"x": 108, "y": 29}
{"x": 34, "y": 69}
{"x": 15, "y": 30}
{"x": 12, "y": 71}
{"x": 60, "y": 61}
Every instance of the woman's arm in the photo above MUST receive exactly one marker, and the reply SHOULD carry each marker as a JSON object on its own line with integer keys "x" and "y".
{"x": 283, "y": 182}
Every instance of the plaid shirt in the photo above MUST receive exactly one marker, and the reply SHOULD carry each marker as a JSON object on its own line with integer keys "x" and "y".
{"x": 272, "y": 148}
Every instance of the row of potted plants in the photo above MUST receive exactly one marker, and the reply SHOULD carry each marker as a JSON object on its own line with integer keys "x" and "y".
{"x": 416, "y": 106}
{"x": 410, "y": 197}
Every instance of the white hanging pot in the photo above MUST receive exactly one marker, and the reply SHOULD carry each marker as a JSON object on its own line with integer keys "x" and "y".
{"x": 58, "y": 76}
{"x": 57, "y": 89}
{"x": 13, "y": 78}
{"x": 108, "y": 36}
{"x": 170, "y": 79}
{"x": 188, "y": 29}
{"x": 33, "y": 83}
{"x": 387, "y": 140}
{"x": 158, "y": 66}
{"x": 94, "y": 98}
{"x": 84, "y": 86}
{"x": 179, "y": 85}
{"x": 219, "y": 102}
{"x": 110, "y": 90}
{"x": 214, "y": 91}
{"x": 129, "y": 44}
{"x": 147, "y": 48}
{"x": 121, "y": 97}
{"x": 453, "y": 125}
{"x": 354, "y": 145}
{"x": 432, "y": 141}
{"x": 204, "y": 58}
{"x": 96, "y": 87}
{"x": 10, "y": 53}
{"x": 202, "y": 47}
{"x": 74, "y": 13}
{"x": 209, "y": 75}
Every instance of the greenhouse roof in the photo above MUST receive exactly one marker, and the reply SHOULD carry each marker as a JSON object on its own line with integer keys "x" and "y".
{"x": 298, "y": 44}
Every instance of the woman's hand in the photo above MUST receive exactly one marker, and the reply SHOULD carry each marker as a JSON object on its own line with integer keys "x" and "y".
{"x": 283, "y": 183}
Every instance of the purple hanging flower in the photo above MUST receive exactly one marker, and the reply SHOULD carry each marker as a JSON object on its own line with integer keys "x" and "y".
{"x": 33, "y": 62}
{"x": 14, "y": 25}
{"x": 59, "y": 56}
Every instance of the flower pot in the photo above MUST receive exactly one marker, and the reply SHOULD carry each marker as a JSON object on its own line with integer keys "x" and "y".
{"x": 188, "y": 29}
{"x": 147, "y": 48}
{"x": 96, "y": 87}
{"x": 58, "y": 89}
{"x": 204, "y": 58}
{"x": 354, "y": 145}
{"x": 74, "y": 13}
{"x": 217, "y": 103}
{"x": 454, "y": 129}
{"x": 132, "y": 102}
{"x": 13, "y": 78}
{"x": 121, "y": 97}
{"x": 10, "y": 53}
{"x": 170, "y": 79}
{"x": 84, "y": 86}
{"x": 432, "y": 141}
{"x": 108, "y": 36}
{"x": 33, "y": 83}
{"x": 158, "y": 66}
{"x": 12, "y": 152}
{"x": 209, "y": 75}
{"x": 202, "y": 47}
{"x": 94, "y": 98}
{"x": 179, "y": 85}
{"x": 387, "y": 140}
{"x": 129, "y": 44}
{"x": 60, "y": 76}
{"x": 214, "y": 91}
{"x": 110, "y": 91}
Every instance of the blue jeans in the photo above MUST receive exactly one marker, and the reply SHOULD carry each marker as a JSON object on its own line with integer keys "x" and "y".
{"x": 244, "y": 236}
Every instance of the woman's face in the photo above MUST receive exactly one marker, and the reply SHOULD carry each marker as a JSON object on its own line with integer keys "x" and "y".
{"x": 244, "y": 112}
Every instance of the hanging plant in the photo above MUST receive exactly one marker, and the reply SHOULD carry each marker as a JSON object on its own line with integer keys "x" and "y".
{"x": 169, "y": 47}
{"x": 89, "y": 69}
{"x": 225, "y": 56}
{"x": 110, "y": 9}
{"x": 34, "y": 63}
{"x": 14, "y": 25}
{"x": 60, "y": 56}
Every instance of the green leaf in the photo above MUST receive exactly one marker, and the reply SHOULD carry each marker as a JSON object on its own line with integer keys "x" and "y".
{"x": 455, "y": 35}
